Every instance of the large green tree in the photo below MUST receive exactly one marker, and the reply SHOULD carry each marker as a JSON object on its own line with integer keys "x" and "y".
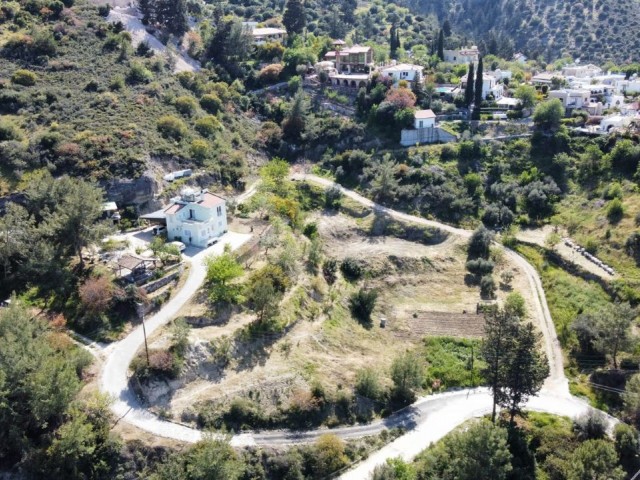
{"x": 479, "y": 451}
{"x": 547, "y": 115}
{"x": 294, "y": 19}
{"x": 222, "y": 270}
{"x": 468, "y": 90}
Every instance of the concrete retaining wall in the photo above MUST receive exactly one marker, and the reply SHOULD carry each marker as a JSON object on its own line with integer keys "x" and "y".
{"x": 426, "y": 135}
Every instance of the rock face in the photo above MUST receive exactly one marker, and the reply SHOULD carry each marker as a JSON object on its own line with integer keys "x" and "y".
{"x": 140, "y": 192}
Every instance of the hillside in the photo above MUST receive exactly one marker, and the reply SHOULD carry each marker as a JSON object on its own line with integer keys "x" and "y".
{"x": 592, "y": 30}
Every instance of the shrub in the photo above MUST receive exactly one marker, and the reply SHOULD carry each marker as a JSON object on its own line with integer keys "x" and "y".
{"x": 162, "y": 363}
{"x": 590, "y": 426}
{"x": 211, "y": 103}
{"x": 615, "y": 210}
{"x": 332, "y": 198}
{"x": 487, "y": 286}
{"x": 24, "y": 77}
{"x": 368, "y": 383}
{"x": 362, "y": 303}
{"x": 351, "y": 269}
{"x": 329, "y": 269}
{"x": 270, "y": 74}
{"x": 480, "y": 266}
{"x": 172, "y": 127}
{"x": 96, "y": 294}
{"x": 208, "y": 126}
{"x": 9, "y": 131}
{"x": 116, "y": 83}
{"x": 310, "y": 230}
{"x": 185, "y": 105}
{"x": 480, "y": 243}
{"x": 138, "y": 73}
{"x": 199, "y": 150}
{"x": 626, "y": 439}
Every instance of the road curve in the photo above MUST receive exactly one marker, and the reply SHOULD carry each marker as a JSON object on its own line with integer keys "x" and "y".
{"x": 427, "y": 420}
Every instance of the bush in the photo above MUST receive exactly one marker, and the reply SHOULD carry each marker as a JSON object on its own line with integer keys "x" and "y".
{"x": 199, "y": 150}
{"x": 615, "y": 210}
{"x": 480, "y": 266}
{"x": 270, "y": 74}
{"x": 172, "y": 127}
{"x": 332, "y": 198}
{"x": 23, "y": 77}
{"x": 362, "y": 303}
{"x": 310, "y": 230}
{"x": 208, "y": 126}
{"x": 329, "y": 269}
{"x": 487, "y": 286}
{"x": 368, "y": 383}
{"x": 211, "y": 103}
{"x": 480, "y": 243}
{"x": 626, "y": 438}
{"x": 138, "y": 73}
{"x": 590, "y": 426}
{"x": 9, "y": 131}
{"x": 185, "y": 105}
{"x": 351, "y": 269}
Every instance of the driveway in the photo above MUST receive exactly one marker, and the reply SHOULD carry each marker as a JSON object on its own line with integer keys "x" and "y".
{"x": 114, "y": 379}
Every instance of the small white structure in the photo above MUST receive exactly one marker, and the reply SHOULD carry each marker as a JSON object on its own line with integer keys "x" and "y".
{"x": 508, "y": 103}
{"x": 195, "y": 217}
{"x": 424, "y": 119}
{"x": 462, "y": 55}
{"x": 617, "y": 121}
{"x": 521, "y": 58}
{"x": 265, "y": 35}
{"x": 403, "y": 71}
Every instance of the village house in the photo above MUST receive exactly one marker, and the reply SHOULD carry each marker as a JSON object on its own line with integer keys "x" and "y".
{"x": 521, "y": 58}
{"x": 266, "y": 35}
{"x": 403, "y": 71}
{"x": 462, "y": 56}
{"x": 547, "y": 78}
{"x": 572, "y": 99}
{"x": 353, "y": 65}
{"x": 490, "y": 87}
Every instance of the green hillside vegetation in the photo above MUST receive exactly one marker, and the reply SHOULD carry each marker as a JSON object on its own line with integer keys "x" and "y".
{"x": 77, "y": 98}
{"x": 591, "y": 30}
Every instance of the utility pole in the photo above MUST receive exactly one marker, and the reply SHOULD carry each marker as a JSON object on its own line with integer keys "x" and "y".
{"x": 473, "y": 373}
{"x": 140, "y": 308}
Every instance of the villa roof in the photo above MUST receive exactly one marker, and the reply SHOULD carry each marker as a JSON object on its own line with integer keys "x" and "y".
{"x": 402, "y": 67}
{"x": 258, "y": 32}
{"x": 424, "y": 114}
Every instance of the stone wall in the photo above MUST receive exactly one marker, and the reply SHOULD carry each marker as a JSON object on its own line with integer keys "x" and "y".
{"x": 426, "y": 135}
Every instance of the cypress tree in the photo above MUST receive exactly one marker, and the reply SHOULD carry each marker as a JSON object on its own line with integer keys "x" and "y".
{"x": 446, "y": 26}
{"x": 478, "y": 87}
{"x": 441, "y": 45}
{"x": 468, "y": 91}
{"x": 393, "y": 41}
{"x": 294, "y": 19}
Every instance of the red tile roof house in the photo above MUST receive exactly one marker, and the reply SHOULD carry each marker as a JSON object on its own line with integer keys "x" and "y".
{"x": 196, "y": 217}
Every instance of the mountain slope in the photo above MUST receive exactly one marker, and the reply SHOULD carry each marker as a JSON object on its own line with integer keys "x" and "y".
{"x": 593, "y": 30}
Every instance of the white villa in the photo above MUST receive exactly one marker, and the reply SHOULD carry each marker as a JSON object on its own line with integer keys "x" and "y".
{"x": 572, "y": 99}
{"x": 490, "y": 86}
{"x": 581, "y": 71}
{"x": 194, "y": 218}
{"x": 462, "y": 55}
{"x": 403, "y": 71}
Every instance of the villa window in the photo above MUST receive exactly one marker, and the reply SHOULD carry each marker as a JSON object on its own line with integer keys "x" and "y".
{"x": 219, "y": 209}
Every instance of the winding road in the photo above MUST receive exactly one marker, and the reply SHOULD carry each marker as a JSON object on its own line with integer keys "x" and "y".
{"x": 426, "y": 421}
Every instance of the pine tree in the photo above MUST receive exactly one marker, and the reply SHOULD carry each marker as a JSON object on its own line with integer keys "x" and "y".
{"x": 294, "y": 19}
{"x": 441, "y": 45}
{"x": 468, "y": 91}
{"x": 478, "y": 91}
{"x": 145, "y": 9}
{"x": 417, "y": 88}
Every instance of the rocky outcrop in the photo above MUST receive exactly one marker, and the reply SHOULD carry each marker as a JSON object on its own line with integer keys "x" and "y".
{"x": 140, "y": 192}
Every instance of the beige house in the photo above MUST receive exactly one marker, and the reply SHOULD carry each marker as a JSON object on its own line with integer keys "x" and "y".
{"x": 266, "y": 35}
{"x": 353, "y": 65}
{"x": 462, "y": 56}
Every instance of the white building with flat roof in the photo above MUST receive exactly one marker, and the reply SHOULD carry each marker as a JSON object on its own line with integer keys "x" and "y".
{"x": 462, "y": 55}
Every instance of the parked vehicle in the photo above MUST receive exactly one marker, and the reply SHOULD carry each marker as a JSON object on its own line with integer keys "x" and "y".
{"x": 179, "y": 245}
{"x": 157, "y": 230}
{"x": 212, "y": 241}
